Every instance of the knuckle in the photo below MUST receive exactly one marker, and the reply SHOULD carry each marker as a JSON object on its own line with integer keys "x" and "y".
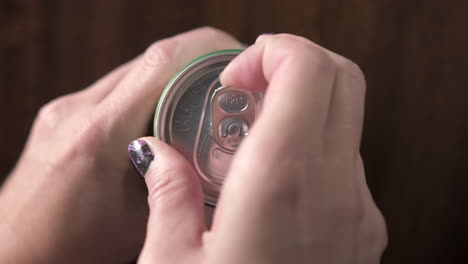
{"x": 88, "y": 139}
{"x": 50, "y": 113}
{"x": 309, "y": 56}
{"x": 91, "y": 131}
{"x": 214, "y": 33}
{"x": 85, "y": 136}
{"x": 219, "y": 39}
{"x": 51, "y": 108}
{"x": 318, "y": 57}
{"x": 299, "y": 39}
{"x": 160, "y": 53}
{"x": 352, "y": 69}
{"x": 374, "y": 234}
{"x": 164, "y": 187}
{"x": 83, "y": 149}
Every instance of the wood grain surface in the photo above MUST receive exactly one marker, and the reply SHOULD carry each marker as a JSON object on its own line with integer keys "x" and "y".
{"x": 413, "y": 53}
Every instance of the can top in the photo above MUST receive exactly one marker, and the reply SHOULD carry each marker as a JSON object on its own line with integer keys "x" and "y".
{"x": 205, "y": 121}
{"x": 171, "y": 82}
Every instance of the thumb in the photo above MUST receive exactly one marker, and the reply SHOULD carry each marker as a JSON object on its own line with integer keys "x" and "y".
{"x": 176, "y": 221}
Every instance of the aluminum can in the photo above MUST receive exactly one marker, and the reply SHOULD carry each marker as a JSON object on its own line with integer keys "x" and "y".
{"x": 204, "y": 120}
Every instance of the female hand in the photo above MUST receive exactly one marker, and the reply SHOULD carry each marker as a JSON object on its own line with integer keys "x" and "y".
{"x": 296, "y": 190}
{"x": 74, "y": 196}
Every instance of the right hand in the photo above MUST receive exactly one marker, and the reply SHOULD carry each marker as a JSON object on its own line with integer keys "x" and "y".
{"x": 296, "y": 191}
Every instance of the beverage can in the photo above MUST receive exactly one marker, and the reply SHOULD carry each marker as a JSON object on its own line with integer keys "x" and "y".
{"x": 204, "y": 120}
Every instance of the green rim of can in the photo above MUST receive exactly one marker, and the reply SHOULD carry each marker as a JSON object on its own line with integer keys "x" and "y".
{"x": 169, "y": 85}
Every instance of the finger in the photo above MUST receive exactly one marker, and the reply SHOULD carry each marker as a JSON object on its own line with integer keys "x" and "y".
{"x": 102, "y": 87}
{"x": 137, "y": 94}
{"x": 344, "y": 124}
{"x": 82, "y": 99}
{"x": 373, "y": 233}
{"x": 283, "y": 174}
{"x": 176, "y": 221}
{"x": 299, "y": 84}
{"x": 346, "y": 117}
{"x": 290, "y": 132}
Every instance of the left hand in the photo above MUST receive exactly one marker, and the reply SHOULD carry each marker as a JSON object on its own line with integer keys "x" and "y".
{"x": 74, "y": 196}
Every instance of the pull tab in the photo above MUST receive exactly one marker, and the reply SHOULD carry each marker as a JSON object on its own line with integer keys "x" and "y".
{"x": 233, "y": 111}
{"x": 228, "y": 114}
{"x": 232, "y": 130}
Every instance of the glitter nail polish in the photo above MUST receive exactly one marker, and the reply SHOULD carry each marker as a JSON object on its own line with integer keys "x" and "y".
{"x": 141, "y": 155}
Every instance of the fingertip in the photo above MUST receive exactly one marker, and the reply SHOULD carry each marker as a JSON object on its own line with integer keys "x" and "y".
{"x": 245, "y": 71}
{"x": 225, "y": 76}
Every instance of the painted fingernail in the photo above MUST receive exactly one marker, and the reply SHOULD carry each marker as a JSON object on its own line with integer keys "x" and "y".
{"x": 141, "y": 155}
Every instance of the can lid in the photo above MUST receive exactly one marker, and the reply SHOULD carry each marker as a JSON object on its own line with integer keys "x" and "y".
{"x": 205, "y": 121}
{"x": 177, "y": 75}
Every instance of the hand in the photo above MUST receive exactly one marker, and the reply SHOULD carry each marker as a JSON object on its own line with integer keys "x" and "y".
{"x": 74, "y": 196}
{"x": 296, "y": 190}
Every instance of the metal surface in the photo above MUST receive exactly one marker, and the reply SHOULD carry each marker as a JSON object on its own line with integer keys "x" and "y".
{"x": 205, "y": 121}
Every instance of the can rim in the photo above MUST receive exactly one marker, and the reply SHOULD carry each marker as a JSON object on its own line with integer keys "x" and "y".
{"x": 173, "y": 79}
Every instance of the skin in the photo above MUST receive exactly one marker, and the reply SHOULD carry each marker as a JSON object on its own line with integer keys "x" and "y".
{"x": 296, "y": 192}
{"x": 74, "y": 196}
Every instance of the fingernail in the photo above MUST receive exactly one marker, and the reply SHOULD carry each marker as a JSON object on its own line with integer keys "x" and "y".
{"x": 141, "y": 155}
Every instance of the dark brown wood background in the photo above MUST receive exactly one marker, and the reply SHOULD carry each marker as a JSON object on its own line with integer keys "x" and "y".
{"x": 414, "y": 54}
